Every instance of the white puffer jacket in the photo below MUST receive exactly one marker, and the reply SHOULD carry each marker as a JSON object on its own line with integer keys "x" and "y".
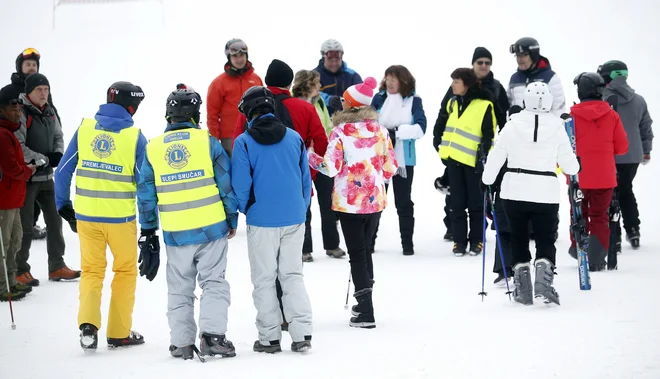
{"x": 523, "y": 147}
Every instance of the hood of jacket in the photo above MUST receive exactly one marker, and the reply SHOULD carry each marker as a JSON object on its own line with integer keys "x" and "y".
{"x": 591, "y": 110}
{"x": 11, "y": 126}
{"x": 620, "y": 87}
{"x": 266, "y": 129}
{"x": 113, "y": 117}
{"x": 354, "y": 115}
{"x": 18, "y": 80}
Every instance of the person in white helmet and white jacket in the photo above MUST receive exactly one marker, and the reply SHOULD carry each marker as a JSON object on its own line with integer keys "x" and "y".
{"x": 532, "y": 143}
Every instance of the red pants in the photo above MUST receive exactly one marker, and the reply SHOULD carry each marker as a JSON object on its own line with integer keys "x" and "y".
{"x": 595, "y": 210}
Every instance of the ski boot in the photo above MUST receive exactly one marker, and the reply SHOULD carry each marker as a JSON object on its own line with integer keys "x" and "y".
{"x": 632, "y": 236}
{"x": 184, "y": 352}
{"x": 459, "y": 250}
{"x": 335, "y": 253}
{"x": 271, "y": 348}
{"x": 89, "y": 338}
{"x": 500, "y": 280}
{"x": 213, "y": 344}
{"x": 543, "y": 281}
{"x": 134, "y": 338}
{"x": 475, "y": 248}
{"x": 307, "y": 258}
{"x": 365, "y": 319}
{"x": 447, "y": 237}
{"x": 302, "y": 346}
{"x": 522, "y": 279}
{"x": 39, "y": 233}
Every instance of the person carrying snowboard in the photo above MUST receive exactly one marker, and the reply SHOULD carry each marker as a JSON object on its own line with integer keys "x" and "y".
{"x": 532, "y": 143}
{"x": 599, "y": 136}
{"x": 185, "y": 181}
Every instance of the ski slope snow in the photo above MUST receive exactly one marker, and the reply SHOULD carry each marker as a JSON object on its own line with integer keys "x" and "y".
{"x": 431, "y": 322}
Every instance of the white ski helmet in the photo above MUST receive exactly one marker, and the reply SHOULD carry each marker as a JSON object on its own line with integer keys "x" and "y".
{"x": 331, "y": 45}
{"x": 538, "y": 97}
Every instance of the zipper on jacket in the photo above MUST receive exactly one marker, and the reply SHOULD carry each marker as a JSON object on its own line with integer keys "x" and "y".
{"x": 536, "y": 127}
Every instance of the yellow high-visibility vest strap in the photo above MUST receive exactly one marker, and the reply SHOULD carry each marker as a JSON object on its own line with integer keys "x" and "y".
{"x": 105, "y": 182}
{"x": 463, "y": 134}
{"x": 188, "y": 197}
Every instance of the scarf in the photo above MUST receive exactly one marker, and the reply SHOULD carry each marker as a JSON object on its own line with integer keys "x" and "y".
{"x": 396, "y": 111}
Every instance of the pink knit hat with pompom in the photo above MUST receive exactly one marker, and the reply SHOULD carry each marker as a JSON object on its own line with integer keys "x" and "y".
{"x": 360, "y": 95}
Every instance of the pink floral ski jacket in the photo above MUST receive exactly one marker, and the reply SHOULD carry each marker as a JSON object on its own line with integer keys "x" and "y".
{"x": 360, "y": 157}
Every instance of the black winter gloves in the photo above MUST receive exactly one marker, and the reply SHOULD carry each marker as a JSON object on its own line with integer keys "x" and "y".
{"x": 334, "y": 102}
{"x": 149, "y": 259}
{"x": 565, "y": 116}
{"x": 54, "y": 159}
{"x": 69, "y": 215}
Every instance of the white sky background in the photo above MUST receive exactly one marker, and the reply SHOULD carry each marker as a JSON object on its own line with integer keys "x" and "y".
{"x": 95, "y": 45}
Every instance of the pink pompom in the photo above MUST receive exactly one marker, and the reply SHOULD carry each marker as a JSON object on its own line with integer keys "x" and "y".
{"x": 371, "y": 82}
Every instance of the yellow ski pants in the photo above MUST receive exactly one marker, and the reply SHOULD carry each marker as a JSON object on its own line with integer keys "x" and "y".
{"x": 122, "y": 240}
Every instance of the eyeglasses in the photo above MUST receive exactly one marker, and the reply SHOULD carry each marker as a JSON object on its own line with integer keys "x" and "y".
{"x": 237, "y": 48}
{"x": 333, "y": 54}
{"x": 481, "y": 63}
{"x": 29, "y": 52}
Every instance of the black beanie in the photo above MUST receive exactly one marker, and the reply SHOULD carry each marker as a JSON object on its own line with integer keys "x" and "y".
{"x": 8, "y": 93}
{"x": 279, "y": 74}
{"x": 35, "y": 80}
{"x": 481, "y": 52}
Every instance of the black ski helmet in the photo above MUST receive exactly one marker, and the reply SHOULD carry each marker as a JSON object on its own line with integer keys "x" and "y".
{"x": 527, "y": 45}
{"x": 183, "y": 105}
{"x": 126, "y": 94}
{"x": 28, "y": 54}
{"x": 589, "y": 85}
{"x": 256, "y": 98}
{"x": 612, "y": 69}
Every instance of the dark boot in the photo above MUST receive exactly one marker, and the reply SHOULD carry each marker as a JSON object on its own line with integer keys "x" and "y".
{"x": 213, "y": 344}
{"x": 302, "y": 346}
{"x": 134, "y": 338}
{"x": 522, "y": 279}
{"x": 596, "y": 254}
{"x": 632, "y": 236}
{"x": 543, "y": 281}
{"x": 272, "y": 347}
{"x": 365, "y": 319}
{"x": 459, "y": 250}
{"x": 89, "y": 338}
{"x": 407, "y": 227}
{"x": 184, "y": 352}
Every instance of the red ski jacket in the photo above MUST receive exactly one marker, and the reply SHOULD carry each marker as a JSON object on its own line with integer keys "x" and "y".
{"x": 13, "y": 170}
{"x": 599, "y": 136}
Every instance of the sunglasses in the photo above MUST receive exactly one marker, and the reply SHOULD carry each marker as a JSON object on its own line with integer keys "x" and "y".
{"x": 29, "y": 52}
{"x": 237, "y": 48}
{"x": 333, "y": 54}
{"x": 481, "y": 63}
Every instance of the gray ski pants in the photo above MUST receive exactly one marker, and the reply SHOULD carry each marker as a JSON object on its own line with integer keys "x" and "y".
{"x": 208, "y": 263}
{"x": 275, "y": 253}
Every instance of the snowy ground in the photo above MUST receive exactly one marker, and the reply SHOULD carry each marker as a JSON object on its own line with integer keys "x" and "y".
{"x": 431, "y": 322}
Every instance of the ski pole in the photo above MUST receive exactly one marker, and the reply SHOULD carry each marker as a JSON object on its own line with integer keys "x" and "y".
{"x": 4, "y": 261}
{"x": 348, "y": 289}
{"x": 483, "y": 253}
{"x": 499, "y": 242}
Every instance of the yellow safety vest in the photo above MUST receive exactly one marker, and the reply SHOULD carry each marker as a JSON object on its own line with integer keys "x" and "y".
{"x": 188, "y": 197}
{"x": 462, "y": 135}
{"x": 105, "y": 185}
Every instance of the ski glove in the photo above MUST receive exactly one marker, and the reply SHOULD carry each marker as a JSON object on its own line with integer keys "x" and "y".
{"x": 334, "y": 102}
{"x": 149, "y": 253}
{"x": 565, "y": 116}
{"x": 69, "y": 215}
{"x": 54, "y": 159}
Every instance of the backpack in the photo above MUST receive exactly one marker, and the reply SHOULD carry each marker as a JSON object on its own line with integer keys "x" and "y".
{"x": 281, "y": 111}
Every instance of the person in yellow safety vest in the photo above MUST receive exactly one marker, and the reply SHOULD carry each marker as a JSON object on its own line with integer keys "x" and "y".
{"x": 105, "y": 153}
{"x": 186, "y": 181}
{"x": 467, "y": 138}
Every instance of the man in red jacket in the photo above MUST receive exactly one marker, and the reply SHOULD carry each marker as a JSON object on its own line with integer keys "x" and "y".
{"x": 599, "y": 136}
{"x": 302, "y": 117}
{"x": 13, "y": 175}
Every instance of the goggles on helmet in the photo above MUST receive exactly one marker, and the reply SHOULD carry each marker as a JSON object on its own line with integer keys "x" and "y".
{"x": 30, "y": 51}
{"x": 237, "y": 48}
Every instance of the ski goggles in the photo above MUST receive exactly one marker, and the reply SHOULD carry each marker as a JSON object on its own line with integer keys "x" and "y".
{"x": 237, "y": 48}
{"x": 333, "y": 54}
{"x": 520, "y": 49}
{"x": 30, "y": 51}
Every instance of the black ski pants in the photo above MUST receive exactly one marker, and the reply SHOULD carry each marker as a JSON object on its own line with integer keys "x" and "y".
{"x": 504, "y": 238}
{"x": 629, "y": 211}
{"x": 404, "y": 207}
{"x": 543, "y": 218}
{"x": 324, "y": 186}
{"x": 359, "y": 230}
{"x": 465, "y": 194}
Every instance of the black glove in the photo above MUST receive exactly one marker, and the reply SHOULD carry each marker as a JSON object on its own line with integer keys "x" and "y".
{"x": 54, "y": 159}
{"x": 334, "y": 102}
{"x": 149, "y": 253}
{"x": 513, "y": 110}
{"x": 69, "y": 215}
{"x": 565, "y": 116}
{"x": 436, "y": 144}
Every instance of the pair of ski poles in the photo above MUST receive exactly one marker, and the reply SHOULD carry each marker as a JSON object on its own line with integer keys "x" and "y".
{"x": 4, "y": 261}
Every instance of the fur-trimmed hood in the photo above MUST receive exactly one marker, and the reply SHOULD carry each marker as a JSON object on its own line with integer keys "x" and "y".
{"x": 354, "y": 115}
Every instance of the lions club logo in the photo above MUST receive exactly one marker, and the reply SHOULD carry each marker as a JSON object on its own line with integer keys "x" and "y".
{"x": 177, "y": 156}
{"x": 103, "y": 146}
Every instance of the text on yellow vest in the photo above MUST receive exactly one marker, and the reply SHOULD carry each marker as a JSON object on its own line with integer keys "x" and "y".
{"x": 105, "y": 182}
{"x": 188, "y": 197}
{"x": 462, "y": 135}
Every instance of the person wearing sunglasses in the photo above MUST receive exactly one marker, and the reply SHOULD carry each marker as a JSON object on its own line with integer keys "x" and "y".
{"x": 336, "y": 77}
{"x": 42, "y": 141}
{"x": 533, "y": 67}
{"x": 226, "y": 90}
{"x": 27, "y": 63}
{"x": 14, "y": 173}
